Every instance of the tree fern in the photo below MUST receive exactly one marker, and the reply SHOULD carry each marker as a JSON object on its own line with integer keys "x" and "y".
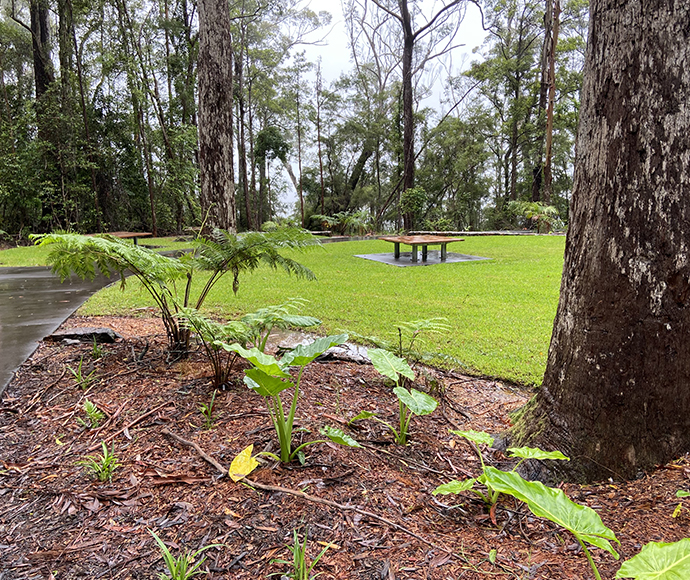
{"x": 221, "y": 253}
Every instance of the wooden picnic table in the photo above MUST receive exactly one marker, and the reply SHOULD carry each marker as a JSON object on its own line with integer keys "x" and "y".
{"x": 130, "y": 235}
{"x": 424, "y": 241}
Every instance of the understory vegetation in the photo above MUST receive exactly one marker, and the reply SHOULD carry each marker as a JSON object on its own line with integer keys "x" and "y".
{"x": 499, "y": 311}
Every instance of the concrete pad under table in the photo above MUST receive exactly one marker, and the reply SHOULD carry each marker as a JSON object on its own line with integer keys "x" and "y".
{"x": 424, "y": 241}
{"x": 433, "y": 257}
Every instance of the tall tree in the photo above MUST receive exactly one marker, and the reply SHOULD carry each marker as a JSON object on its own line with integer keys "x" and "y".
{"x": 437, "y": 32}
{"x": 615, "y": 392}
{"x": 215, "y": 115}
{"x": 547, "y": 90}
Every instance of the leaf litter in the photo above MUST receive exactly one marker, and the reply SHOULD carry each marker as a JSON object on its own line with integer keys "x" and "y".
{"x": 373, "y": 506}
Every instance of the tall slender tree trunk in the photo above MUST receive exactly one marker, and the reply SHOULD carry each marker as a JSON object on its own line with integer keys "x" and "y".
{"x": 299, "y": 162}
{"x": 318, "y": 135}
{"x": 615, "y": 392}
{"x": 408, "y": 97}
{"x": 215, "y": 114}
{"x": 87, "y": 132}
{"x": 548, "y": 175}
{"x": 547, "y": 49}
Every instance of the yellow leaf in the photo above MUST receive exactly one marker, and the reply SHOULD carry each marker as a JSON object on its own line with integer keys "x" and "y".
{"x": 243, "y": 464}
{"x": 676, "y": 512}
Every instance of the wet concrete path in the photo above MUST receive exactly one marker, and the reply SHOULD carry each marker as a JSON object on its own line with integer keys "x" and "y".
{"x": 33, "y": 303}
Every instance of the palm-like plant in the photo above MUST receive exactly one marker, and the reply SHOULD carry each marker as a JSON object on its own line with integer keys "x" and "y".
{"x": 225, "y": 252}
{"x": 220, "y": 253}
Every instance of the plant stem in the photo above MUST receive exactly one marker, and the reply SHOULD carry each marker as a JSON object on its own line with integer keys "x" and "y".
{"x": 590, "y": 559}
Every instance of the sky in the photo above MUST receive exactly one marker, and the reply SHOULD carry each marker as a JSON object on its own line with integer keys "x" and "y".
{"x": 335, "y": 52}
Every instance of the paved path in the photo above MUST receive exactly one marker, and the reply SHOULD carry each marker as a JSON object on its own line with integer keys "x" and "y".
{"x": 33, "y": 303}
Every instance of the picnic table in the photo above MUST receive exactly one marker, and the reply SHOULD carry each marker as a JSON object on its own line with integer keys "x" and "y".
{"x": 424, "y": 241}
{"x": 130, "y": 235}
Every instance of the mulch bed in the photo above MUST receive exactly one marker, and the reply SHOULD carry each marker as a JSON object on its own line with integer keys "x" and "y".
{"x": 57, "y": 522}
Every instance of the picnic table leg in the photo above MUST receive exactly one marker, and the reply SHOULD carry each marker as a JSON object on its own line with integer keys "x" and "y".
{"x": 135, "y": 241}
{"x": 424, "y": 253}
{"x": 415, "y": 253}
{"x": 396, "y": 251}
{"x": 443, "y": 252}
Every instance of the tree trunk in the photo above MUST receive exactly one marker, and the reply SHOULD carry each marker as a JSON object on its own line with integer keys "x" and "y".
{"x": 44, "y": 75}
{"x": 548, "y": 174}
{"x": 215, "y": 115}
{"x": 615, "y": 392}
{"x": 408, "y": 97}
{"x": 319, "y": 94}
{"x": 547, "y": 50}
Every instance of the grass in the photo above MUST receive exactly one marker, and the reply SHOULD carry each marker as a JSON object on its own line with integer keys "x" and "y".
{"x": 501, "y": 311}
{"x": 24, "y": 256}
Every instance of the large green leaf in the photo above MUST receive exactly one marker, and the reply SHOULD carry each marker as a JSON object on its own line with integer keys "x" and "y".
{"x": 682, "y": 493}
{"x": 389, "y": 365}
{"x": 260, "y": 360}
{"x": 362, "y": 415}
{"x": 416, "y": 401}
{"x": 300, "y": 321}
{"x": 554, "y": 505}
{"x": 478, "y": 437}
{"x": 303, "y": 354}
{"x": 264, "y": 384}
{"x": 454, "y": 487}
{"x": 535, "y": 453}
{"x": 659, "y": 561}
{"x": 339, "y": 436}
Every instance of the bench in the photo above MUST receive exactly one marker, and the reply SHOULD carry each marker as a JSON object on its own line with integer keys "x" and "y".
{"x": 130, "y": 235}
{"x": 424, "y": 241}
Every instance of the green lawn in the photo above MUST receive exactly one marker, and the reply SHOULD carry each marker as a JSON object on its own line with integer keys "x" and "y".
{"x": 501, "y": 311}
{"x": 24, "y": 256}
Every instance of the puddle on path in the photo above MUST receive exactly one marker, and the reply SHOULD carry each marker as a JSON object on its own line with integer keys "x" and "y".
{"x": 33, "y": 303}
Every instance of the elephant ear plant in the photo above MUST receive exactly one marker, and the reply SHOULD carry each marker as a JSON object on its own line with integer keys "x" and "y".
{"x": 269, "y": 377}
{"x": 412, "y": 402}
{"x": 546, "y": 502}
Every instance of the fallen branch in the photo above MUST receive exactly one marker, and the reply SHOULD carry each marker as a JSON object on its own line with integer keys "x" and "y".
{"x": 199, "y": 450}
{"x": 311, "y": 498}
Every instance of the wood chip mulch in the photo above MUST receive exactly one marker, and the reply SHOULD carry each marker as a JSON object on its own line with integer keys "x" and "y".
{"x": 58, "y": 522}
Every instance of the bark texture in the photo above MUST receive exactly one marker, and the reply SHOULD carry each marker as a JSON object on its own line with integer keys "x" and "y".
{"x": 616, "y": 392}
{"x": 215, "y": 115}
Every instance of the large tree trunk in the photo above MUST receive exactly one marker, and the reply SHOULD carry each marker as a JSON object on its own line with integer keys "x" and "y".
{"x": 44, "y": 75}
{"x": 615, "y": 392}
{"x": 215, "y": 115}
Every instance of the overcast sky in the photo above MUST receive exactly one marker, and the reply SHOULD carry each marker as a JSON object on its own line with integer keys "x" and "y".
{"x": 336, "y": 54}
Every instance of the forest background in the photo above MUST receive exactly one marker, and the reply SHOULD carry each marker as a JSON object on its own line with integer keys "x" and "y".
{"x": 98, "y": 116}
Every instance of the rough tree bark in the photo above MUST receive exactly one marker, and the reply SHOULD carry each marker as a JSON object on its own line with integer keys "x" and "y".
{"x": 215, "y": 115}
{"x": 615, "y": 392}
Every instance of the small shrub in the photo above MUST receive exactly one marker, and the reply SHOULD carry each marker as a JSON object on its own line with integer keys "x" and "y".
{"x": 94, "y": 415}
{"x": 101, "y": 466}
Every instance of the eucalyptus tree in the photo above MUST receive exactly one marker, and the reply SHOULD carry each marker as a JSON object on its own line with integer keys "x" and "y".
{"x": 424, "y": 37}
{"x": 615, "y": 391}
{"x": 216, "y": 157}
{"x": 453, "y": 170}
{"x": 266, "y": 37}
